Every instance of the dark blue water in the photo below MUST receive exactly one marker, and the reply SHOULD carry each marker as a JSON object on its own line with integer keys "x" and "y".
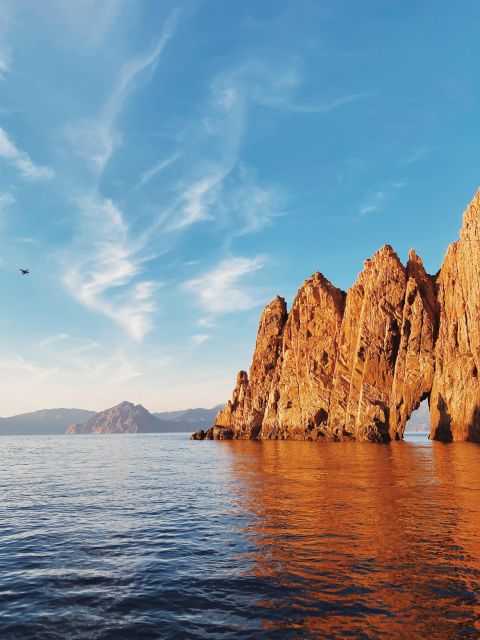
{"x": 112, "y": 537}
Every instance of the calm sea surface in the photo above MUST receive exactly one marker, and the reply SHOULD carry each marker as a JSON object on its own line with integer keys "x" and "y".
{"x": 126, "y": 537}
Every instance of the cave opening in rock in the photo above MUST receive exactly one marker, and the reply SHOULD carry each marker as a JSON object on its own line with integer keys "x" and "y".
{"x": 418, "y": 424}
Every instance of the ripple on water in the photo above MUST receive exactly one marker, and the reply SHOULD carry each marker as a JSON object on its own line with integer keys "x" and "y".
{"x": 114, "y": 537}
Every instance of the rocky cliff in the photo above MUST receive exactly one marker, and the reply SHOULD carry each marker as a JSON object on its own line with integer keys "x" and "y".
{"x": 355, "y": 365}
{"x": 123, "y": 418}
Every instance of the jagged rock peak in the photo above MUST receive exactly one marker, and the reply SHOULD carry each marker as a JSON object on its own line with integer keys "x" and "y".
{"x": 471, "y": 218}
{"x": 276, "y": 311}
{"x": 318, "y": 282}
{"x": 425, "y": 283}
{"x": 385, "y": 254}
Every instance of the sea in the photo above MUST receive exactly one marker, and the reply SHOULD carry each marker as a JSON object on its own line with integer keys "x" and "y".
{"x": 158, "y": 537}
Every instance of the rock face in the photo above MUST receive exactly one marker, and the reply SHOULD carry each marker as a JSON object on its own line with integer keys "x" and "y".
{"x": 355, "y": 365}
{"x": 455, "y": 398}
{"x": 123, "y": 418}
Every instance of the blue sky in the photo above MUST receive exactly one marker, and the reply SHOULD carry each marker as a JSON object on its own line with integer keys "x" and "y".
{"x": 166, "y": 168}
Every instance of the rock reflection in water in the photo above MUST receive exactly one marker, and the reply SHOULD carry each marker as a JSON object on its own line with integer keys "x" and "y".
{"x": 363, "y": 540}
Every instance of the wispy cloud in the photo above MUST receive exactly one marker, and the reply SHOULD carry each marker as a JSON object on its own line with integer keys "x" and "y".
{"x": 103, "y": 267}
{"x": 327, "y": 107}
{"x": 199, "y": 339}
{"x": 10, "y": 152}
{"x": 196, "y": 201}
{"x": 221, "y": 290}
{"x": 217, "y": 187}
{"x": 52, "y": 339}
{"x": 378, "y": 199}
{"x": 105, "y": 262}
{"x": 95, "y": 139}
{"x": 145, "y": 62}
{"x": 72, "y": 344}
{"x": 155, "y": 170}
{"x": 415, "y": 155}
{"x": 206, "y": 323}
{"x": 13, "y": 364}
{"x": 3, "y": 64}
{"x": 249, "y": 204}
{"x": 213, "y": 142}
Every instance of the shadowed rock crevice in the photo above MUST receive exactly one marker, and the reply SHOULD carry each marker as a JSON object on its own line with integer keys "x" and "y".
{"x": 443, "y": 426}
{"x": 355, "y": 365}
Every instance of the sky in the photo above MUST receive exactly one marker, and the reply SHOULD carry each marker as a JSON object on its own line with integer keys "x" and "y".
{"x": 167, "y": 168}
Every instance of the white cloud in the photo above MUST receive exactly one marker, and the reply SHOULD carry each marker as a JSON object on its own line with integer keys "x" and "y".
{"x": 155, "y": 170}
{"x": 4, "y": 63}
{"x": 137, "y": 65}
{"x": 257, "y": 82}
{"x": 220, "y": 290}
{"x": 200, "y": 338}
{"x": 95, "y": 139}
{"x": 213, "y": 142}
{"x": 216, "y": 187}
{"x": 103, "y": 266}
{"x": 206, "y": 322}
{"x": 22, "y": 161}
{"x": 73, "y": 344}
{"x": 416, "y": 154}
{"x": 92, "y": 140}
{"x": 327, "y": 107}
{"x": 105, "y": 262}
{"x": 248, "y": 204}
{"x": 378, "y": 199}
{"x": 369, "y": 208}
{"x": 197, "y": 200}
{"x": 52, "y": 339}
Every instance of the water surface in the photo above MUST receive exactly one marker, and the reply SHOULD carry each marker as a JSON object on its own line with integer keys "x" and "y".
{"x": 154, "y": 536}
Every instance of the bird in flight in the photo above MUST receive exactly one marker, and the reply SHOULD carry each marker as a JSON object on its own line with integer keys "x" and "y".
{"x": 25, "y": 272}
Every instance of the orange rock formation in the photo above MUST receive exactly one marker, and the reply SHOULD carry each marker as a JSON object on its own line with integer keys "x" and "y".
{"x": 355, "y": 366}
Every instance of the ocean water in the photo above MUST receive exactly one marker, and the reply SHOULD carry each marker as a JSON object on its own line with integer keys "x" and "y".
{"x": 154, "y": 536}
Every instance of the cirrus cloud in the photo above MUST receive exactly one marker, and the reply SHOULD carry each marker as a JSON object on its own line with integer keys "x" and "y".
{"x": 221, "y": 290}
{"x": 10, "y": 152}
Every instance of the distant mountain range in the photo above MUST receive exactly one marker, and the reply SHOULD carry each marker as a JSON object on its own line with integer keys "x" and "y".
{"x": 44, "y": 422}
{"x": 57, "y": 421}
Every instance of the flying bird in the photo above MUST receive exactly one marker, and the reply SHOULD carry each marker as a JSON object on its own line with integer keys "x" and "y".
{"x": 25, "y": 272}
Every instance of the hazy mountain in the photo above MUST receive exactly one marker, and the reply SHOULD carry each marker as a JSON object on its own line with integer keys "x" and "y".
{"x": 44, "y": 422}
{"x": 125, "y": 417}
{"x": 186, "y": 419}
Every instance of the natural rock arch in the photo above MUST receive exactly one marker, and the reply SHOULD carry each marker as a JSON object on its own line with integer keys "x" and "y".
{"x": 355, "y": 365}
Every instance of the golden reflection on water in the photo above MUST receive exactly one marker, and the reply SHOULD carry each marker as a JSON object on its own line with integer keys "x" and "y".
{"x": 362, "y": 540}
